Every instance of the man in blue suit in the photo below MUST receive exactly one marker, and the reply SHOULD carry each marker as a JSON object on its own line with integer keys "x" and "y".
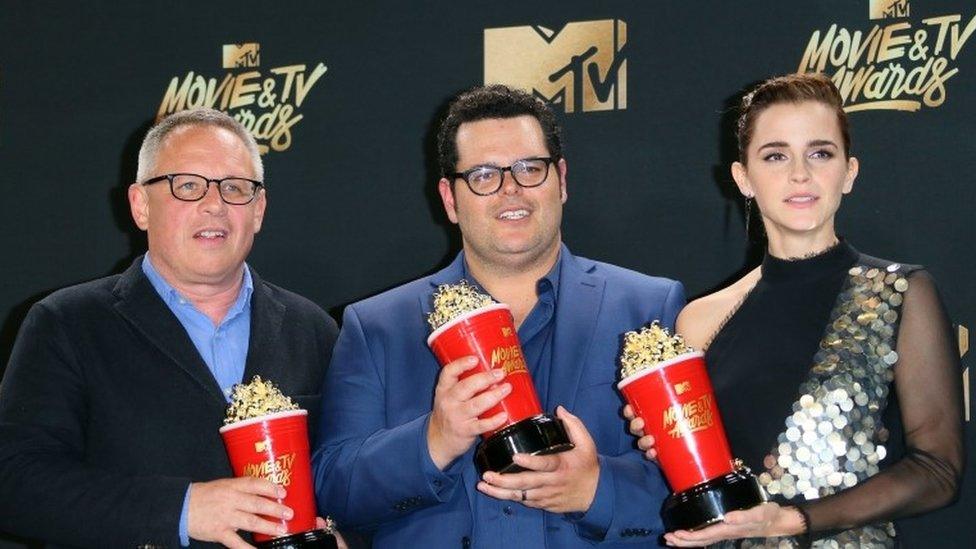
{"x": 398, "y": 432}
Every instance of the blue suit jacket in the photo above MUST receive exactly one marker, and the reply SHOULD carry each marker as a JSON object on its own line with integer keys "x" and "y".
{"x": 373, "y": 471}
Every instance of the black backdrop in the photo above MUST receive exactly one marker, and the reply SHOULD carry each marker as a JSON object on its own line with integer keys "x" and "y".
{"x": 353, "y": 208}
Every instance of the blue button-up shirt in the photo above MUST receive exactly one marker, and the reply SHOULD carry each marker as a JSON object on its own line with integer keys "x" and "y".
{"x": 223, "y": 347}
{"x": 499, "y": 523}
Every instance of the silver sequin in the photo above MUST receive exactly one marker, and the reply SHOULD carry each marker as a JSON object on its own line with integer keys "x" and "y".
{"x": 834, "y": 438}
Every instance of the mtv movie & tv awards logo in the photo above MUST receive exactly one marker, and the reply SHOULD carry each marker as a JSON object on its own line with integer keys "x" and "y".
{"x": 901, "y": 62}
{"x": 267, "y": 104}
{"x": 582, "y": 67}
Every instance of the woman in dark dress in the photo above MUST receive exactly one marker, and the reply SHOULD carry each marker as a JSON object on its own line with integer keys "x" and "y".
{"x": 836, "y": 373}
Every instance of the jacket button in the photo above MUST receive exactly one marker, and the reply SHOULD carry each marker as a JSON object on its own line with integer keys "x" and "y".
{"x": 466, "y": 542}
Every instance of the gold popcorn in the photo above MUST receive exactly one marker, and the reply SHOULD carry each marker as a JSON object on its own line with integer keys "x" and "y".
{"x": 648, "y": 347}
{"x": 255, "y": 399}
{"x": 453, "y": 300}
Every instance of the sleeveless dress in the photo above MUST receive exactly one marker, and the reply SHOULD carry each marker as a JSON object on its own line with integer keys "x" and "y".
{"x": 804, "y": 374}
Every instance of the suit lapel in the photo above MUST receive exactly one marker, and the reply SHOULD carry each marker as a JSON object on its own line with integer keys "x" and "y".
{"x": 577, "y": 310}
{"x": 448, "y": 275}
{"x": 138, "y": 302}
{"x": 267, "y": 314}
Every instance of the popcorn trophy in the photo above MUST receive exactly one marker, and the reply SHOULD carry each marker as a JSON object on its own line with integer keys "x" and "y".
{"x": 266, "y": 436}
{"x": 666, "y": 384}
{"x": 466, "y": 322}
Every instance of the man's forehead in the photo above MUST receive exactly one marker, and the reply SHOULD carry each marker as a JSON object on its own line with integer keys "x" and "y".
{"x": 501, "y": 134}
{"x": 192, "y": 134}
{"x": 205, "y": 144}
{"x": 524, "y": 123}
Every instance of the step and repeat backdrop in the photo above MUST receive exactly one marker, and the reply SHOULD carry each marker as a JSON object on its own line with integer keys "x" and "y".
{"x": 344, "y": 99}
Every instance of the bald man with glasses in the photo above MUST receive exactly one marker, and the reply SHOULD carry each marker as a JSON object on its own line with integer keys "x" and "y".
{"x": 116, "y": 388}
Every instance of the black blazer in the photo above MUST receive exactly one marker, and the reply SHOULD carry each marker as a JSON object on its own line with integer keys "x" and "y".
{"x": 108, "y": 412}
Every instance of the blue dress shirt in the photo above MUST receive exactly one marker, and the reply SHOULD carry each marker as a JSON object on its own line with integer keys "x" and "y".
{"x": 223, "y": 347}
{"x": 502, "y": 523}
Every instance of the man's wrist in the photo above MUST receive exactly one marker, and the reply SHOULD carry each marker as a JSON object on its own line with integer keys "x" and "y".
{"x": 441, "y": 457}
{"x": 594, "y": 483}
{"x": 594, "y": 522}
{"x": 184, "y": 528}
{"x": 433, "y": 446}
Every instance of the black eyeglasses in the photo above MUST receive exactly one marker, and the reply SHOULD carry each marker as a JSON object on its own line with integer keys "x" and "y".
{"x": 191, "y": 187}
{"x": 487, "y": 180}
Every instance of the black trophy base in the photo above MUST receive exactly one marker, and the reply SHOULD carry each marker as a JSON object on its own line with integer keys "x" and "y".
{"x": 707, "y": 503}
{"x": 313, "y": 539}
{"x": 539, "y": 435}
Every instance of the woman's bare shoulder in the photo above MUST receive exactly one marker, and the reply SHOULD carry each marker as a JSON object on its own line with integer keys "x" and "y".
{"x": 701, "y": 319}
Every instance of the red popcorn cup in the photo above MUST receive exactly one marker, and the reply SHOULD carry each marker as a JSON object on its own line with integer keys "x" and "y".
{"x": 676, "y": 402}
{"x": 275, "y": 447}
{"x": 489, "y": 334}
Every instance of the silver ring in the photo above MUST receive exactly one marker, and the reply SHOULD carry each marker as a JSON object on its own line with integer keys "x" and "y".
{"x": 523, "y": 495}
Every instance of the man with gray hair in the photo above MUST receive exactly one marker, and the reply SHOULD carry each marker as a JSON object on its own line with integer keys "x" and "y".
{"x": 116, "y": 388}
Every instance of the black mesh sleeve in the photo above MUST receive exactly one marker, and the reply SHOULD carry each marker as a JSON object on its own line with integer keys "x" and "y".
{"x": 928, "y": 388}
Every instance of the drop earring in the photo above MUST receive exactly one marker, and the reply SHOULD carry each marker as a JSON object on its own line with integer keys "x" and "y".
{"x": 748, "y": 210}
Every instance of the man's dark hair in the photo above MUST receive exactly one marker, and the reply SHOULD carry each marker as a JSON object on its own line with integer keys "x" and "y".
{"x": 495, "y": 101}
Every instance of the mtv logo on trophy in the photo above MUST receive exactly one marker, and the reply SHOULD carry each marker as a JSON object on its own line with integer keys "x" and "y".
{"x": 581, "y": 67}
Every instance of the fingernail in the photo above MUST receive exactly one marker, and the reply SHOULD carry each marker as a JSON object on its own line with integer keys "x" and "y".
{"x": 281, "y": 529}
{"x": 472, "y": 360}
{"x": 288, "y": 514}
{"x": 281, "y": 492}
{"x": 506, "y": 388}
{"x": 498, "y": 373}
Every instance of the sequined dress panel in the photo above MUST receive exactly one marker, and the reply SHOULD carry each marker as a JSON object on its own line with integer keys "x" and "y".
{"x": 803, "y": 377}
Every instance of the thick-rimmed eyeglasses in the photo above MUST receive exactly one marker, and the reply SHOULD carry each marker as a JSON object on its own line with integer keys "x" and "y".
{"x": 487, "y": 180}
{"x": 191, "y": 187}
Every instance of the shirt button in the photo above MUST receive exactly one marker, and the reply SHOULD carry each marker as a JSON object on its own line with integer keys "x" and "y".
{"x": 508, "y": 510}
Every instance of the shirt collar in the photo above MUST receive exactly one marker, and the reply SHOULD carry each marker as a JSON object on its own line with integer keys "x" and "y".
{"x": 172, "y": 297}
{"x": 544, "y": 284}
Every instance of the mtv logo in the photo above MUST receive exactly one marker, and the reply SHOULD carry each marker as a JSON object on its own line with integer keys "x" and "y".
{"x": 506, "y": 331}
{"x": 682, "y": 388}
{"x": 582, "y": 67}
{"x": 886, "y": 9}
{"x": 242, "y": 55}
